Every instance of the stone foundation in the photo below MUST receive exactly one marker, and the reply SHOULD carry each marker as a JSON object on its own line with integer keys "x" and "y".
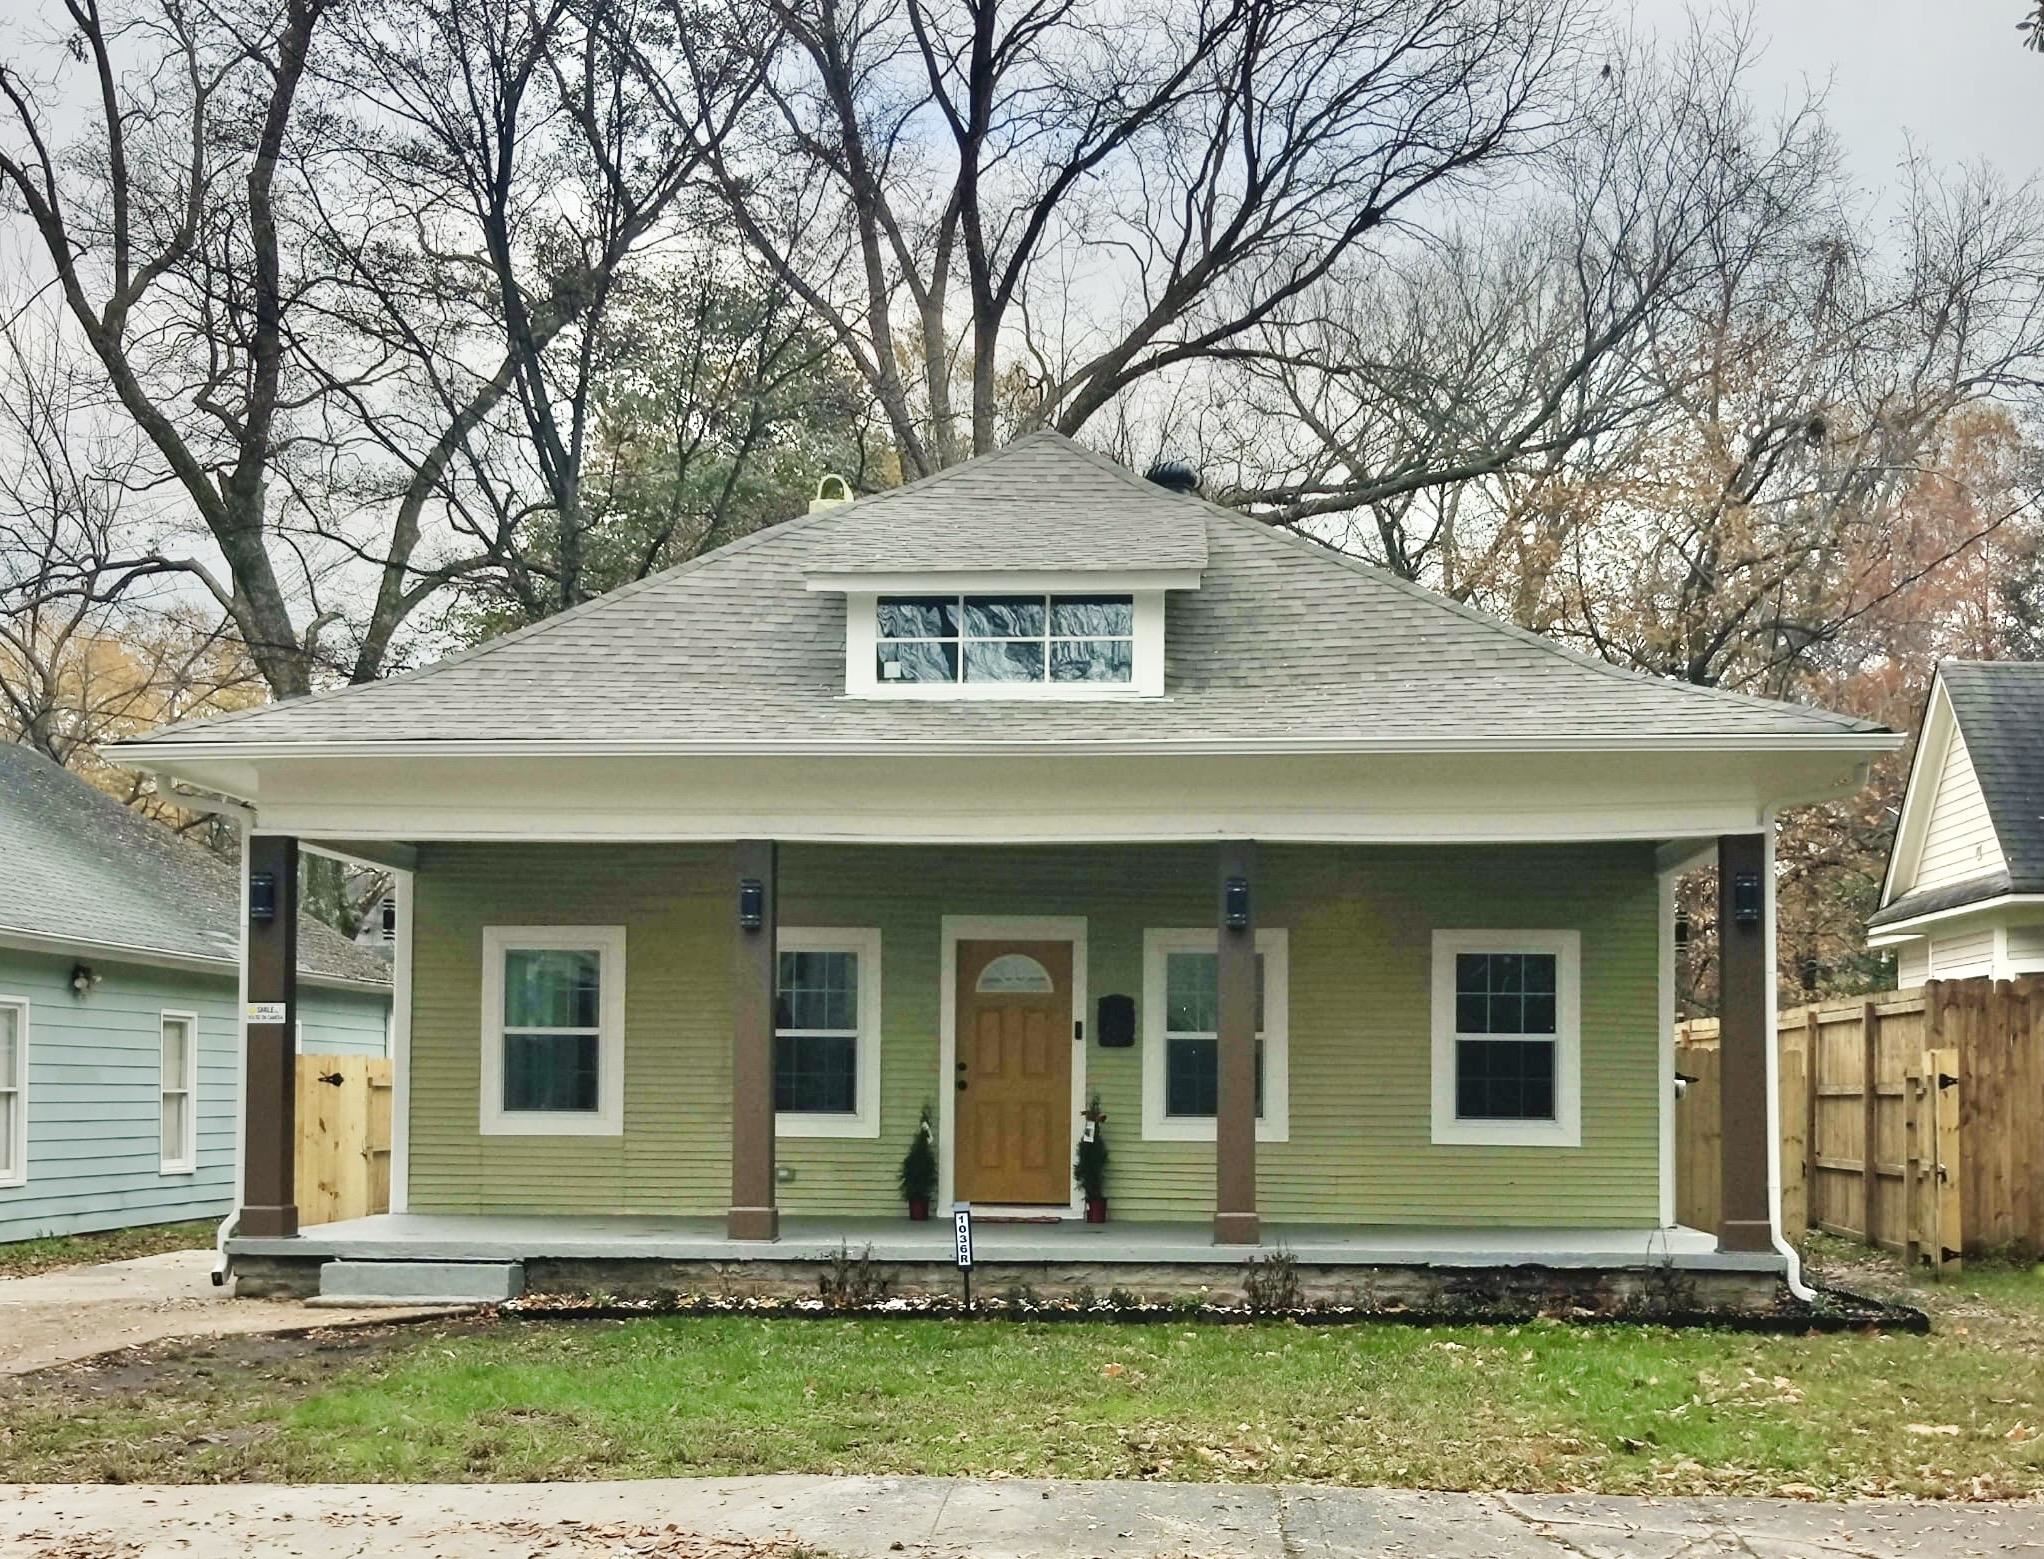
{"x": 1644, "y": 1292}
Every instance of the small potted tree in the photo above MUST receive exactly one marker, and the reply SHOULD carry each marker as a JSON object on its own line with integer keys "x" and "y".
{"x": 1089, "y": 1168}
{"x": 919, "y": 1171}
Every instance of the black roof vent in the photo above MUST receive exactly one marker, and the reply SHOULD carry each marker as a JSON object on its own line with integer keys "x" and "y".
{"x": 1174, "y": 476}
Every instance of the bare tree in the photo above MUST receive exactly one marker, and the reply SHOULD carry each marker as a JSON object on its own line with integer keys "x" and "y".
{"x": 162, "y": 229}
{"x": 1096, "y": 194}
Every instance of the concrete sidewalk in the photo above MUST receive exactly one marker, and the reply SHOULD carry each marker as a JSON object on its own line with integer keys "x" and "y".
{"x": 879, "y": 1518}
{"x": 78, "y": 1312}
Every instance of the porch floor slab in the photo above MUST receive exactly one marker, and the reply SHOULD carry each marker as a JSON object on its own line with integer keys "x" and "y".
{"x": 516, "y": 1237}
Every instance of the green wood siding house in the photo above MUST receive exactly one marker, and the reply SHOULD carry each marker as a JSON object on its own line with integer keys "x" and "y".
{"x": 1035, "y": 799}
{"x": 120, "y": 1019}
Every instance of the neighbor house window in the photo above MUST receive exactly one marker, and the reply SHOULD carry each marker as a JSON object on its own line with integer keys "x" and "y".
{"x": 178, "y": 1110}
{"x": 13, "y": 1091}
{"x": 827, "y": 1033}
{"x": 553, "y": 1030}
{"x": 1005, "y": 639}
{"x": 1506, "y": 1044}
{"x": 1181, "y": 1035}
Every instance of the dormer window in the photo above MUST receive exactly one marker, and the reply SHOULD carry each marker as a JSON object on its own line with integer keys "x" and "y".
{"x": 1005, "y": 639}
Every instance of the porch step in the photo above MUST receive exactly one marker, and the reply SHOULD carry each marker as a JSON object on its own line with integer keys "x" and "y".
{"x": 369, "y": 1283}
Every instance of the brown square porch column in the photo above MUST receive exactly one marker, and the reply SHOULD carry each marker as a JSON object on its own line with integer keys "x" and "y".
{"x": 1235, "y": 1220}
{"x": 1745, "y": 931}
{"x": 754, "y": 977}
{"x": 269, "y": 1081}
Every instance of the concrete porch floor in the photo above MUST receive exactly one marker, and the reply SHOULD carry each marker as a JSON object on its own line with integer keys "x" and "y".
{"x": 519, "y": 1237}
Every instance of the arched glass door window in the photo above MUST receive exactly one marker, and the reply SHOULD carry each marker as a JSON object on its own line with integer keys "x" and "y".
{"x": 1014, "y": 974}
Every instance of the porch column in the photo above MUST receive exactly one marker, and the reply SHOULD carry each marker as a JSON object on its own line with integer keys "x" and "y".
{"x": 1745, "y": 931}
{"x": 1235, "y": 1221}
{"x": 269, "y": 1083}
{"x": 754, "y": 974}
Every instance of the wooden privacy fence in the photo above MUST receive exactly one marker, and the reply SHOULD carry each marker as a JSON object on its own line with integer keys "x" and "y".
{"x": 1954, "y": 1116}
{"x": 343, "y": 1137}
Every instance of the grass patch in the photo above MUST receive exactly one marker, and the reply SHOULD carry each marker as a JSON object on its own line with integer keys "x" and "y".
{"x": 25, "y": 1258}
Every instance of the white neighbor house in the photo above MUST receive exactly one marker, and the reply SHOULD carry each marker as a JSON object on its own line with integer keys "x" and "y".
{"x": 1964, "y": 895}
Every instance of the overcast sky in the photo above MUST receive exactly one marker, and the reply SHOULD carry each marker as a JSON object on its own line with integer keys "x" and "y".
{"x": 1951, "y": 75}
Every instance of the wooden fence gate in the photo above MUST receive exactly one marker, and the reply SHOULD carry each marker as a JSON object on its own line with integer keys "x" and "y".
{"x": 343, "y": 1137}
{"x": 1873, "y": 1111}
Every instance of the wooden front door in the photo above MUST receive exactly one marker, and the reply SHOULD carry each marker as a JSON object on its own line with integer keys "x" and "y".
{"x": 1015, "y": 1073}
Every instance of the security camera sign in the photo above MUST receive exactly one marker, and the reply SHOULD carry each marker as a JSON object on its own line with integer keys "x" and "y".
{"x": 265, "y": 1012}
{"x": 961, "y": 1219}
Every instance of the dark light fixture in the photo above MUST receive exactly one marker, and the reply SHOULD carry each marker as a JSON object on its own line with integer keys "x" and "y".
{"x": 83, "y": 978}
{"x": 751, "y": 903}
{"x": 1235, "y": 904}
{"x": 1683, "y": 929}
{"x": 1746, "y": 898}
{"x": 262, "y": 896}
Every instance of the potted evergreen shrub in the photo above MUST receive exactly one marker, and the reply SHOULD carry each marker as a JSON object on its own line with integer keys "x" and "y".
{"x": 1089, "y": 1168}
{"x": 919, "y": 1170}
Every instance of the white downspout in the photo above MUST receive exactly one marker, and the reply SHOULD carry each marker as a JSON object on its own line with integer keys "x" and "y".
{"x": 1771, "y": 1017}
{"x": 223, "y": 1266}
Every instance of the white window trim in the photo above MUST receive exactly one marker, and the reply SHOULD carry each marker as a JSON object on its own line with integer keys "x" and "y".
{"x": 865, "y": 942}
{"x": 1146, "y": 670}
{"x": 608, "y": 1119}
{"x": 1565, "y": 1129}
{"x": 16, "y": 1173}
{"x": 187, "y": 1162}
{"x": 1275, "y": 1124}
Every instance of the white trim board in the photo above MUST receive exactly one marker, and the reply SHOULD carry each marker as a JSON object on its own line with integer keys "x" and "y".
{"x": 1000, "y": 928}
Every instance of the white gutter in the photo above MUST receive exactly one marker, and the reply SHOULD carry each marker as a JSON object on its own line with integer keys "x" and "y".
{"x": 159, "y": 958}
{"x": 223, "y": 1265}
{"x": 148, "y": 754}
{"x": 1771, "y": 1015}
{"x": 1908, "y": 930}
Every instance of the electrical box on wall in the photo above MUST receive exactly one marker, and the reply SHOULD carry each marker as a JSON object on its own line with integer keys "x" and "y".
{"x": 1117, "y": 1028}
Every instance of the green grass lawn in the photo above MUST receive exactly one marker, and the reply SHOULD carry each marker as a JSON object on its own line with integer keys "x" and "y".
{"x": 25, "y": 1258}
{"x": 1537, "y": 1406}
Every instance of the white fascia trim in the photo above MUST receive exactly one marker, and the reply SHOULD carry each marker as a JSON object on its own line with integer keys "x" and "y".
{"x": 994, "y": 581}
{"x": 16, "y": 1173}
{"x": 864, "y": 941}
{"x": 1900, "y": 931}
{"x": 153, "y": 757}
{"x": 1565, "y": 1130}
{"x": 400, "y": 1031}
{"x": 1274, "y": 946}
{"x": 162, "y": 958}
{"x": 1665, "y": 967}
{"x": 608, "y": 1118}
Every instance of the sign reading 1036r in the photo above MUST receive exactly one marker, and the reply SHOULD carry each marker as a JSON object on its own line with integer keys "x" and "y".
{"x": 961, "y": 1218}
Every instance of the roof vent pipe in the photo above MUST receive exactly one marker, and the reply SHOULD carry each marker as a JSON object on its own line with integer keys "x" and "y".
{"x": 1174, "y": 476}
{"x": 830, "y": 492}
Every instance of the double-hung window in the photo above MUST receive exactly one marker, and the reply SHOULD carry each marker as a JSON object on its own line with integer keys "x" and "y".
{"x": 178, "y": 1095}
{"x": 827, "y": 1033}
{"x": 1181, "y": 1035}
{"x": 1506, "y": 1038}
{"x": 1041, "y": 639}
{"x": 13, "y": 1091}
{"x": 553, "y": 1031}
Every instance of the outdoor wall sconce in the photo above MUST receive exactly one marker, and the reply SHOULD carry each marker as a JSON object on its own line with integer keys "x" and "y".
{"x": 262, "y": 897}
{"x": 83, "y": 978}
{"x": 1235, "y": 904}
{"x": 1746, "y": 899}
{"x": 751, "y": 903}
{"x": 1682, "y": 930}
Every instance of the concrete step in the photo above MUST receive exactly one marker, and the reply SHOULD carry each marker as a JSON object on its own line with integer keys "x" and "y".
{"x": 364, "y": 1283}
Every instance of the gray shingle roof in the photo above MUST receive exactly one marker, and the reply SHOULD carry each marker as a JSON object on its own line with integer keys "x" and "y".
{"x": 1040, "y": 503}
{"x": 77, "y": 866}
{"x": 1285, "y": 644}
{"x": 1999, "y": 707}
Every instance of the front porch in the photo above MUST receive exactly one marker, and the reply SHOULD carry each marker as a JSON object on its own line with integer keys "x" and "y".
{"x": 1387, "y": 1267}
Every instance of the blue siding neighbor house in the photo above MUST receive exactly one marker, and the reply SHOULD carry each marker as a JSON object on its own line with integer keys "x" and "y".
{"x": 119, "y": 1010}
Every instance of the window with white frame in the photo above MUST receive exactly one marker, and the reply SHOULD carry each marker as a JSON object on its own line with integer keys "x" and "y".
{"x": 553, "y": 1031}
{"x": 1005, "y": 639}
{"x": 827, "y": 1032}
{"x": 13, "y": 1091}
{"x": 178, "y": 1111}
{"x": 1506, "y": 1038}
{"x": 1181, "y": 1035}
